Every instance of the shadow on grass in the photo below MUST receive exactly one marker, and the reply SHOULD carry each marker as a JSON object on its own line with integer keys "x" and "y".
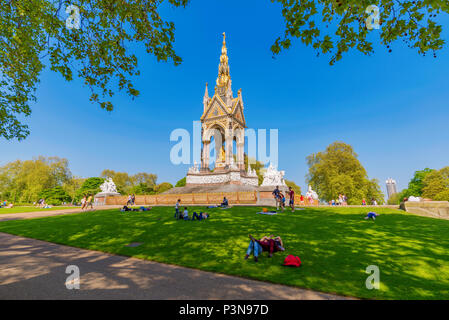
{"x": 335, "y": 245}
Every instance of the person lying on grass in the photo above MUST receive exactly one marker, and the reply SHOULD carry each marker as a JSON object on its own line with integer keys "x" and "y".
{"x": 371, "y": 215}
{"x": 200, "y": 216}
{"x": 270, "y": 244}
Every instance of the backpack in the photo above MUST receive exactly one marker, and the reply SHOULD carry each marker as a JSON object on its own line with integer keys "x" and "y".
{"x": 292, "y": 261}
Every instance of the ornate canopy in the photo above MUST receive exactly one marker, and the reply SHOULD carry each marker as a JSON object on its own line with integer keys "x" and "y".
{"x": 223, "y": 117}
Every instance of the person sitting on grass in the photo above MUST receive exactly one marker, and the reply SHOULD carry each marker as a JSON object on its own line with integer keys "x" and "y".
{"x": 270, "y": 244}
{"x": 225, "y": 203}
{"x": 186, "y": 214}
{"x": 371, "y": 215}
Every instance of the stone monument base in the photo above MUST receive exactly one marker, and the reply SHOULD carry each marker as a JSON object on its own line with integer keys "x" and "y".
{"x": 100, "y": 198}
{"x": 266, "y": 197}
{"x": 222, "y": 177}
{"x": 436, "y": 209}
{"x": 204, "y": 188}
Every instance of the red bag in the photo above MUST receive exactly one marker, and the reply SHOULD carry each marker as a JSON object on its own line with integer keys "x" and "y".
{"x": 293, "y": 261}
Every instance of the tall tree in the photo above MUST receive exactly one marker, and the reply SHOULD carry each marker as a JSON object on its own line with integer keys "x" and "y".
{"x": 162, "y": 187}
{"x": 72, "y": 186}
{"x": 143, "y": 178}
{"x": 435, "y": 182}
{"x": 338, "y": 171}
{"x": 22, "y": 181}
{"x": 90, "y": 39}
{"x": 90, "y": 186}
{"x": 416, "y": 184}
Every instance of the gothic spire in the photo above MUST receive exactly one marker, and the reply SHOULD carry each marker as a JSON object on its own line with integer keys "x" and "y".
{"x": 223, "y": 69}
{"x": 206, "y": 98}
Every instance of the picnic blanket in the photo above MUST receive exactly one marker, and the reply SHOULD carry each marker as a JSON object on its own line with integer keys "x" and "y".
{"x": 270, "y": 213}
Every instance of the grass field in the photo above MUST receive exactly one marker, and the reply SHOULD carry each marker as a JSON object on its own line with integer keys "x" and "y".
{"x": 30, "y": 209}
{"x": 335, "y": 245}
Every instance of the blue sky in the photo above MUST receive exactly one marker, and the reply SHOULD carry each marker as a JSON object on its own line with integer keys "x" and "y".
{"x": 392, "y": 107}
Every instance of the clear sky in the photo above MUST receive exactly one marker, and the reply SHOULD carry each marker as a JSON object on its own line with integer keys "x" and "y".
{"x": 391, "y": 107}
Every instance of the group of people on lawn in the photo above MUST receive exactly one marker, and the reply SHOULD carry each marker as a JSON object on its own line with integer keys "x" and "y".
{"x": 86, "y": 202}
{"x": 185, "y": 214}
{"x": 270, "y": 243}
{"x": 4, "y": 204}
{"x": 280, "y": 198}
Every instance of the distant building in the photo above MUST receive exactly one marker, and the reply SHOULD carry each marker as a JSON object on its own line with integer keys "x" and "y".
{"x": 391, "y": 187}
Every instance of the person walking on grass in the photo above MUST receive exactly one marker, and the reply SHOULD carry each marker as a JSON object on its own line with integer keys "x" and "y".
{"x": 89, "y": 202}
{"x": 291, "y": 194}
{"x": 83, "y": 203}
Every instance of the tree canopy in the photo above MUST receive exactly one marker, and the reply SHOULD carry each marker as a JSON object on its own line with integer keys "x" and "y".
{"x": 162, "y": 187}
{"x": 23, "y": 181}
{"x": 337, "y": 26}
{"x": 181, "y": 183}
{"x": 294, "y": 186}
{"x": 55, "y": 196}
{"x": 338, "y": 171}
{"x": 90, "y": 186}
{"x": 435, "y": 184}
{"x": 91, "y": 40}
{"x": 416, "y": 184}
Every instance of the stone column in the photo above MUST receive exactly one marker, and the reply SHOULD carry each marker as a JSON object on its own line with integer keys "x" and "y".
{"x": 240, "y": 156}
{"x": 206, "y": 155}
{"x": 229, "y": 155}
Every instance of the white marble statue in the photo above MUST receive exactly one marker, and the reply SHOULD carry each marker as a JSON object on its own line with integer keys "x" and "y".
{"x": 251, "y": 172}
{"x": 195, "y": 168}
{"x": 233, "y": 165}
{"x": 311, "y": 194}
{"x": 108, "y": 186}
{"x": 273, "y": 177}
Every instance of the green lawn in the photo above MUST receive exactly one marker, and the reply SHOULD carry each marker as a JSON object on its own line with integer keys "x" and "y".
{"x": 335, "y": 245}
{"x": 30, "y": 209}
